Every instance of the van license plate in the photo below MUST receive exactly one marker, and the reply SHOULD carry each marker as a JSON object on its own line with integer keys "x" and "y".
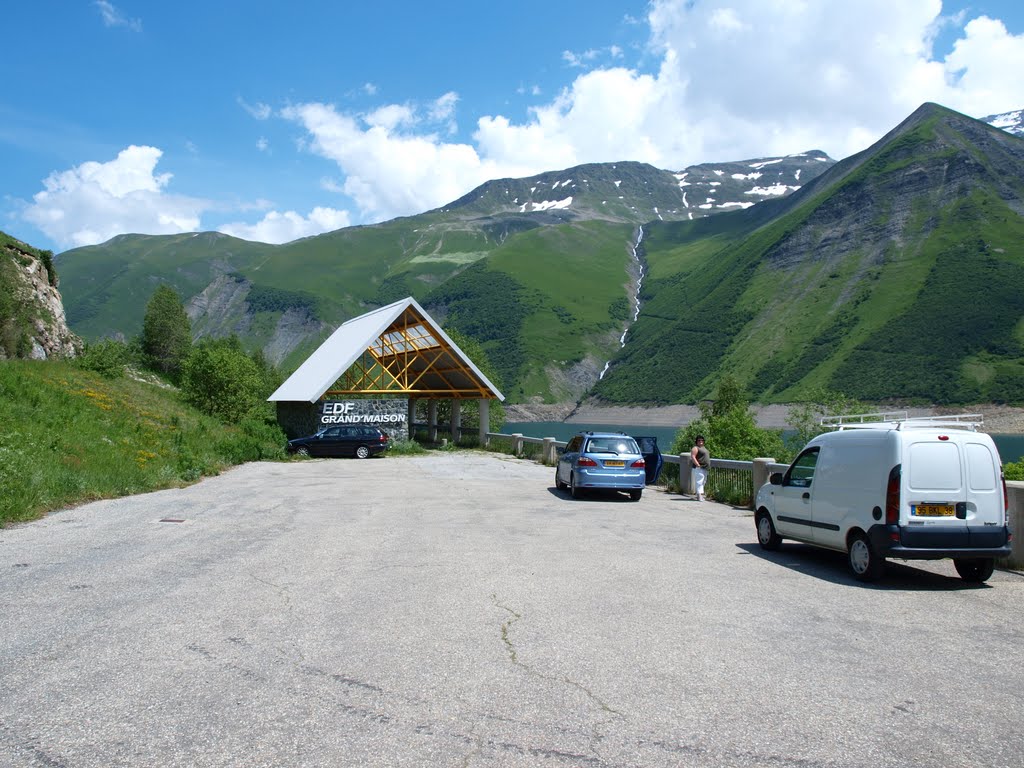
{"x": 933, "y": 510}
{"x": 614, "y": 463}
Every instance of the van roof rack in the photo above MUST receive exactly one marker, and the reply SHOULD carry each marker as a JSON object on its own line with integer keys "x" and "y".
{"x": 901, "y": 420}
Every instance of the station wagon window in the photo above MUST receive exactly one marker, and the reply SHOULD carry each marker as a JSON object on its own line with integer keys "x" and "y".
{"x": 574, "y": 444}
{"x": 332, "y": 432}
{"x": 801, "y": 472}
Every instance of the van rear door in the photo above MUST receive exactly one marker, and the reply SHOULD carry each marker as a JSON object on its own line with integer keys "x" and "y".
{"x": 935, "y": 492}
{"x": 952, "y": 492}
{"x": 986, "y": 509}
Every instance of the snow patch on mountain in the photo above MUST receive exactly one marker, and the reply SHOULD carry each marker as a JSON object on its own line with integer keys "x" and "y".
{"x": 546, "y": 205}
{"x": 1011, "y": 122}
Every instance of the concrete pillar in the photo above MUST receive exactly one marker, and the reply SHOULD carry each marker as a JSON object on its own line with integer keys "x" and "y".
{"x": 432, "y": 421}
{"x": 517, "y": 443}
{"x": 549, "y": 452}
{"x": 759, "y": 473}
{"x": 1015, "y": 495}
{"x": 485, "y": 420}
{"x": 687, "y": 482}
{"x": 456, "y": 420}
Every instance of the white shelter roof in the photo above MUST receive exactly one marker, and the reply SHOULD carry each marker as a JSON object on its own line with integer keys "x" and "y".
{"x": 405, "y": 348}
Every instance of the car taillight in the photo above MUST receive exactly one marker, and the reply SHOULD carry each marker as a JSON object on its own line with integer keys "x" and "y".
{"x": 639, "y": 463}
{"x": 383, "y": 438}
{"x": 585, "y": 461}
{"x": 1006, "y": 496}
{"x": 892, "y": 497}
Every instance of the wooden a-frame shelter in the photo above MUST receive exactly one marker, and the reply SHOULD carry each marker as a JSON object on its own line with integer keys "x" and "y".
{"x": 392, "y": 351}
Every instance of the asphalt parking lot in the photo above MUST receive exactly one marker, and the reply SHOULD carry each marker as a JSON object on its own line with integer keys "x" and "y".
{"x": 456, "y": 610}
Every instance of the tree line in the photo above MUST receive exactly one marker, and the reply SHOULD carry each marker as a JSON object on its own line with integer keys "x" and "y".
{"x": 217, "y": 376}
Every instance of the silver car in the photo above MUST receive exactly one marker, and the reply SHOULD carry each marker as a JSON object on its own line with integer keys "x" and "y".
{"x": 601, "y": 461}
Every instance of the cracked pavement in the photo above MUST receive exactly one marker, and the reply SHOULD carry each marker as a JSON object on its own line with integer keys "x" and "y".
{"x": 456, "y": 610}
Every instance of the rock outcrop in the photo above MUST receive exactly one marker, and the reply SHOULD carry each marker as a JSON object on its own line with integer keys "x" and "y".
{"x": 32, "y": 320}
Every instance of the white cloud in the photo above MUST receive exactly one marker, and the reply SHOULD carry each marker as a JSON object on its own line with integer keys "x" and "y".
{"x": 284, "y": 227}
{"x": 95, "y": 201}
{"x": 389, "y": 172}
{"x": 259, "y": 110}
{"x": 734, "y": 81}
{"x": 114, "y": 18}
{"x": 262, "y": 144}
{"x": 442, "y": 110}
{"x": 731, "y": 80}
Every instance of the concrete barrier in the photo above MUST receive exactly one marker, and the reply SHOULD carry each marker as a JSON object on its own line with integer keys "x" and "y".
{"x": 1015, "y": 496}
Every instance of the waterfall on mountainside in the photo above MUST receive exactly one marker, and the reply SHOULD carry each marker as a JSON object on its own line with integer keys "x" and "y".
{"x": 636, "y": 302}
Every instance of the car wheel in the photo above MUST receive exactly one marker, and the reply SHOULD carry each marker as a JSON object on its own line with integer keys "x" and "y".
{"x": 558, "y": 483}
{"x": 635, "y": 494}
{"x": 302, "y": 451}
{"x": 766, "y": 535}
{"x": 575, "y": 491}
{"x": 974, "y": 569}
{"x": 362, "y": 452}
{"x": 864, "y": 561}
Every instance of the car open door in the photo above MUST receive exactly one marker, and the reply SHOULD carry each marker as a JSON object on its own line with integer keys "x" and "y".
{"x": 652, "y": 457}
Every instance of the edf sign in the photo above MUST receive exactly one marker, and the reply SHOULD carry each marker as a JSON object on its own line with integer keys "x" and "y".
{"x": 333, "y": 409}
{"x": 392, "y": 415}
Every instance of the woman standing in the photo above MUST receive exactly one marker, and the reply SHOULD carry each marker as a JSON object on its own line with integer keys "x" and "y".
{"x": 701, "y": 461}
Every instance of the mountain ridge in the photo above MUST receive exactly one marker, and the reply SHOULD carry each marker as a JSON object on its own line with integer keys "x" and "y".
{"x": 548, "y": 286}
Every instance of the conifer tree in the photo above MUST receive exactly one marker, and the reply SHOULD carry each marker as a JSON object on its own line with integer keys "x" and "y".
{"x": 166, "y": 332}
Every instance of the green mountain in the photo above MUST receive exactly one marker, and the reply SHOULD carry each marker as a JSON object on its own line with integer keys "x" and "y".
{"x": 541, "y": 270}
{"x": 898, "y": 273}
{"x": 895, "y": 274}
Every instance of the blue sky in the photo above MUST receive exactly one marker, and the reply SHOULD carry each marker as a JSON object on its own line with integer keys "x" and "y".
{"x": 272, "y": 121}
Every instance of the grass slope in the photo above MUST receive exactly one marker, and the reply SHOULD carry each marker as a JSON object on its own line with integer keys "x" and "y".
{"x": 70, "y": 436}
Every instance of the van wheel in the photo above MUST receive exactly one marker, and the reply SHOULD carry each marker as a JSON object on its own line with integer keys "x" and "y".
{"x": 974, "y": 569}
{"x": 558, "y": 483}
{"x": 766, "y": 535}
{"x": 864, "y": 561}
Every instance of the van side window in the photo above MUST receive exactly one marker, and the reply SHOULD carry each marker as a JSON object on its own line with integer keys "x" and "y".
{"x": 801, "y": 472}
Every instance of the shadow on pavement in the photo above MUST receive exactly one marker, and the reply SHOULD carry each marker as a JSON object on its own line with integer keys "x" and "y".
{"x": 592, "y": 495}
{"x": 831, "y": 566}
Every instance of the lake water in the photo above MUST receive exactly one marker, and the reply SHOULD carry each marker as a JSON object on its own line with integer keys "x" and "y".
{"x": 1011, "y": 447}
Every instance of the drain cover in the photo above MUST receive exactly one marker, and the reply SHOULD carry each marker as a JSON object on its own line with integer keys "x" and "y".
{"x": 172, "y": 520}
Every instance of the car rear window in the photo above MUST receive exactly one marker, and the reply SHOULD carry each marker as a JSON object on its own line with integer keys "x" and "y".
{"x": 612, "y": 445}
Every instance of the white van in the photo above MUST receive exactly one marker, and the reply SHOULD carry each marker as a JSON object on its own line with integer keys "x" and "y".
{"x": 884, "y": 485}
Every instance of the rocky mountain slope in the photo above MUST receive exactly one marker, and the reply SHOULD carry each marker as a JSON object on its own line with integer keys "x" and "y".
{"x": 32, "y": 319}
{"x": 898, "y": 273}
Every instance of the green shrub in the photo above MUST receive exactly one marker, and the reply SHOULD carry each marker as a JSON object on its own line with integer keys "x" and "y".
{"x": 107, "y": 358}
{"x": 730, "y": 431}
{"x": 405, "y": 448}
{"x": 221, "y": 380}
{"x": 1014, "y": 470}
